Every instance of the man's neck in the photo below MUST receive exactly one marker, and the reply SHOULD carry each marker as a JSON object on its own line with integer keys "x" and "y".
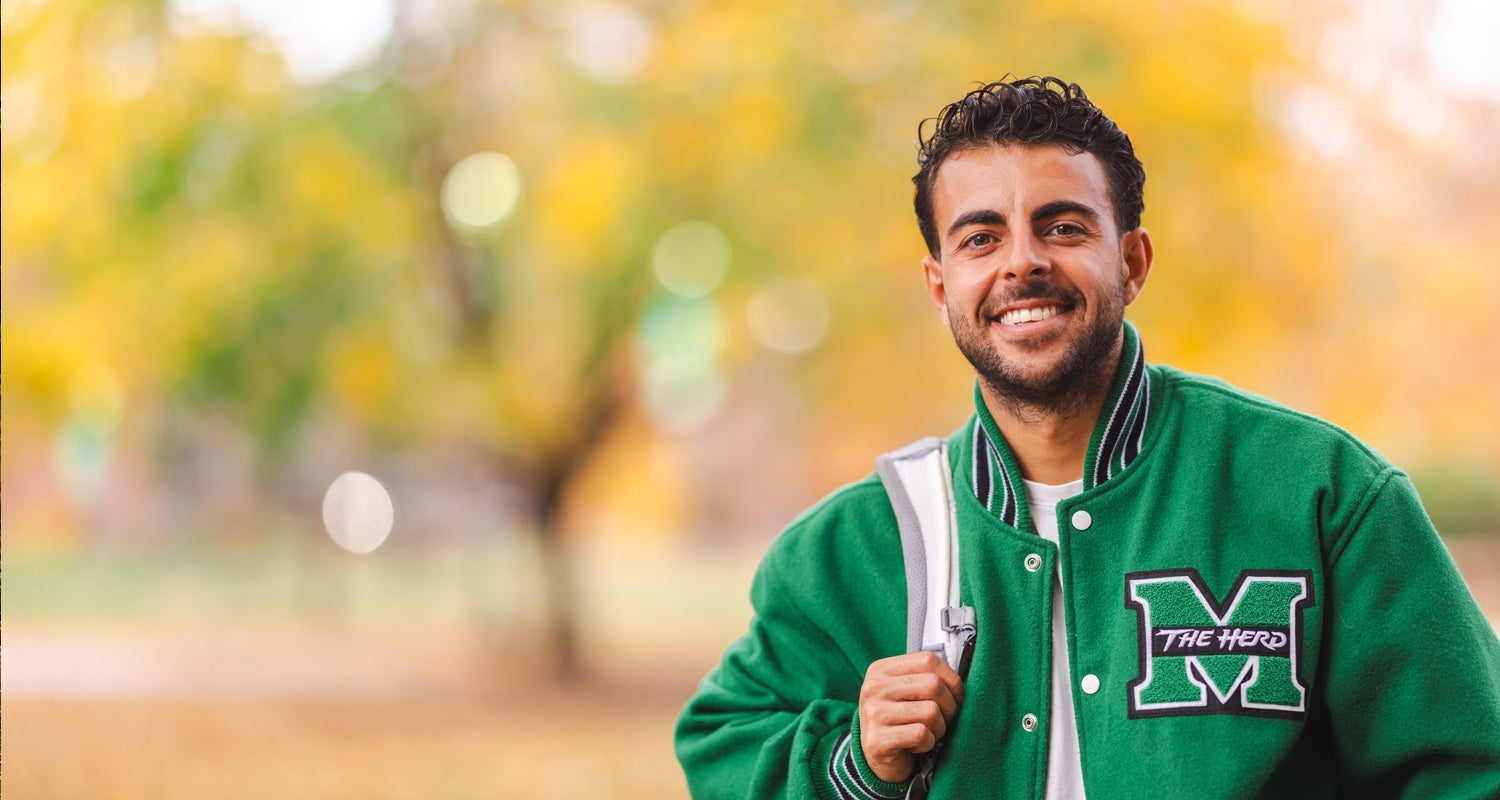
{"x": 1051, "y": 442}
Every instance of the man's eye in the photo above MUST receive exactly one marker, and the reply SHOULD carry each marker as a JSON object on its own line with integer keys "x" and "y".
{"x": 979, "y": 240}
{"x": 1067, "y": 229}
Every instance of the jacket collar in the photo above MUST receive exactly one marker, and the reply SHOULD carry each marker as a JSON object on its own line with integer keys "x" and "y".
{"x": 1118, "y": 434}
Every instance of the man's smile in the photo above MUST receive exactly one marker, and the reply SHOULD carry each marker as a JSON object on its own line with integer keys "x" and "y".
{"x": 1047, "y": 311}
{"x": 1021, "y": 316}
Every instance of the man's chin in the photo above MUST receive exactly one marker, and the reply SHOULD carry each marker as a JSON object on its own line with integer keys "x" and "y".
{"x": 1058, "y": 381}
{"x": 1021, "y": 371}
{"x": 1032, "y": 390}
{"x": 1035, "y": 368}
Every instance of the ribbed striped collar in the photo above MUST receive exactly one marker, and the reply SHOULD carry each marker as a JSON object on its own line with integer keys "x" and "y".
{"x": 1116, "y": 441}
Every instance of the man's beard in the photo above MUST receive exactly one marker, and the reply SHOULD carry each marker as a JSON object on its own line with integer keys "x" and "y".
{"x": 1081, "y": 375}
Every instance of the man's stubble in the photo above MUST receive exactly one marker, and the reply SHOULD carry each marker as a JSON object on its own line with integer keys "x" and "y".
{"x": 1078, "y": 378}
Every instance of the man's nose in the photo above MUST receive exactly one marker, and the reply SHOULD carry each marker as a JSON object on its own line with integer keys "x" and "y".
{"x": 1027, "y": 257}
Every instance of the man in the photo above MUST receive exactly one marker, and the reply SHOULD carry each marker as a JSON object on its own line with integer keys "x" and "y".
{"x": 1181, "y": 590}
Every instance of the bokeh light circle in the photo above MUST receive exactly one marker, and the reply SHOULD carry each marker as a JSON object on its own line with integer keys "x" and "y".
{"x": 97, "y": 397}
{"x": 357, "y": 512}
{"x": 691, "y": 259}
{"x": 481, "y": 190}
{"x": 789, "y": 314}
{"x": 683, "y": 394}
{"x": 610, "y": 42}
{"x": 681, "y": 381}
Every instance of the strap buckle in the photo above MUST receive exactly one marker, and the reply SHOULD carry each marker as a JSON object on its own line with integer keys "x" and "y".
{"x": 958, "y": 618}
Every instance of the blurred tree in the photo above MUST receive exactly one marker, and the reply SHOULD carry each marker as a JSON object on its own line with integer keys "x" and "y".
{"x": 238, "y": 259}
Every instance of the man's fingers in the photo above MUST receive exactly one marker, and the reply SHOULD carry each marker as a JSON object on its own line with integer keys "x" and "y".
{"x": 924, "y": 686}
{"x": 909, "y": 738}
{"x": 904, "y": 707}
{"x": 901, "y": 715}
{"x": 924, "y": 661}
{"x": 913, "y": 665}
{"x": 917, "y": 688}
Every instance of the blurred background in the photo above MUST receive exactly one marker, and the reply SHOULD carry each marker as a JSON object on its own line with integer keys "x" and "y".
{"x": 603, "y": 294}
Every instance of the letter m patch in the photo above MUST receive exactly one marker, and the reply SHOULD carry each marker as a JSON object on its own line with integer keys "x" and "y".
{"x": 1202, "y": 656}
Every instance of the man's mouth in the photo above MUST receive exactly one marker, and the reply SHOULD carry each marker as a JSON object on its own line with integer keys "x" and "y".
{"x": 1021, "y": 316}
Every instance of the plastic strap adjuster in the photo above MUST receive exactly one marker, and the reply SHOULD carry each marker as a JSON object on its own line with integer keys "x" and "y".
{"x": 958, "y": 618}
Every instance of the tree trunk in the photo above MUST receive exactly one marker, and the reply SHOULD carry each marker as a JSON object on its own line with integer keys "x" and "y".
{"x": 560, "y": 585}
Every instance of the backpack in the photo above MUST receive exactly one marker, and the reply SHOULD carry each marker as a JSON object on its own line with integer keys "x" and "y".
{"x": 920, "y": 485}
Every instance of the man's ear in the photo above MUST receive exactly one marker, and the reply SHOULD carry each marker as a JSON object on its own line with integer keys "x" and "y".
{"x": 932, "y": 275}
{"x": 1136, "y": 256}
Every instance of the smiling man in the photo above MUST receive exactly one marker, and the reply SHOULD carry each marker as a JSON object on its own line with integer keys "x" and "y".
{"x": 1179, "y": 589}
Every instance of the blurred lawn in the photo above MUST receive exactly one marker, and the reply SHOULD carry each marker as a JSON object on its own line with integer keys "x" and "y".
{"x": 524, "y": 742}
{"x": 329, "y": 676}
{"x": 310, "y": 673}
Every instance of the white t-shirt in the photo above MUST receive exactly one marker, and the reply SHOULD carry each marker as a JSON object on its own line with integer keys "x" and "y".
{"x": 1064, "y": 769}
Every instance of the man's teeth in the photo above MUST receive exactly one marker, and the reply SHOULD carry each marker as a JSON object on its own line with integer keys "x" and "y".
{"x": 1021, "y": 315}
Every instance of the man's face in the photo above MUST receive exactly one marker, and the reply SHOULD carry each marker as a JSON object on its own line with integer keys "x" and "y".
{"x": 1032, "y": 277}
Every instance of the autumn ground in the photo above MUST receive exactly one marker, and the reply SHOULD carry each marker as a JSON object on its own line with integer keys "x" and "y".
{"x": 483, "y": 728}
{"x": 353, "y": 710}
{"x": 339, "y": 677}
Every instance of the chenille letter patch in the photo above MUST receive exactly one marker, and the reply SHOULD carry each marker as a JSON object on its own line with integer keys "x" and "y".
{"x": 1200, "y": 655}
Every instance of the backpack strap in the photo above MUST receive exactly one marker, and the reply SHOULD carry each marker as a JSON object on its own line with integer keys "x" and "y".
{"x": 920, "y": 484}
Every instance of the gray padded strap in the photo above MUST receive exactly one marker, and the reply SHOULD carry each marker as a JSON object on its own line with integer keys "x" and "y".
{"x": 912, "y": 548}
{"x": 916, "y": 478}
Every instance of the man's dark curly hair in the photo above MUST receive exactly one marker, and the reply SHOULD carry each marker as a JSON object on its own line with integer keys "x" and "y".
{"x": 1029, "y": 111}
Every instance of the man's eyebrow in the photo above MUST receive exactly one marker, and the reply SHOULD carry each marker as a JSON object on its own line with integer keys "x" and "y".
{"x": 1058, "y": 208}
{"x": 981, "y": 216}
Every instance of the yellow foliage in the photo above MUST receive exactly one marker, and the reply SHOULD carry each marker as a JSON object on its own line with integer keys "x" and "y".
{"x": 579, "y": 197}
{"x": 319, "y": 181}
{"x": 40, "y": 354}
{"x": 758, "y": 119}
{"x": 199, "y": 276}
{"x": 363, "y": 374}
{"x": 138, "y": 222}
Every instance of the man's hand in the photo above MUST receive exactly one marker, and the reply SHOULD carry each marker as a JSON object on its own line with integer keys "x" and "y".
{"x": 904, "y": 708}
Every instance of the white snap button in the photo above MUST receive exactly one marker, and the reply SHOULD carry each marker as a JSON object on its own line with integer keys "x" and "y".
{"x": 1090, "y": 684}
{"x": 1029, "y": 722}
{"x": 1082, "y": 520}
{"x": 1033, "y": 562}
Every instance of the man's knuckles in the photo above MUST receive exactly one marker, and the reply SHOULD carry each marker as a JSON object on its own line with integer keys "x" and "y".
{"x": 927, "y": 661}
{"x": 924, "y": 661}
{"x": 883, "y": 718}
{"x": 901, "y": 712}
{"x": 890, "y": 742}
{"x": 914, "y": 686}
{"x": 929, "y": 715}
{"x": 923, "y": 685}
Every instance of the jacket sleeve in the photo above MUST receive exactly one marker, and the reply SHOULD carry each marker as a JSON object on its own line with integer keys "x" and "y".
{"x": 1413, "y": 666}
{"x": 778, "y": 717}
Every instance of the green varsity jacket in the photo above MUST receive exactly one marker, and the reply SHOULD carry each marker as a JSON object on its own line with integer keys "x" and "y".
{"x": 1257, "y": 600}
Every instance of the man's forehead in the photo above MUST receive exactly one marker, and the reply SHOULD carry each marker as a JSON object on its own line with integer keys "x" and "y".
{"x": 1028, "y": 175}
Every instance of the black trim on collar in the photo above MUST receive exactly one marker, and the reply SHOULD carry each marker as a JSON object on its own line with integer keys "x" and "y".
{"x": 984, "y": 487}
{"x": 1123, "y": 420}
